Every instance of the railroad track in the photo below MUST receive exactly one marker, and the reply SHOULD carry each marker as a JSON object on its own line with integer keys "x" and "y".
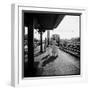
{"x": 72, "y": 51}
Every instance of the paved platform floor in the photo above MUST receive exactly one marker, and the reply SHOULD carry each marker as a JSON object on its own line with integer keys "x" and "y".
{"x": 63, "y": 64}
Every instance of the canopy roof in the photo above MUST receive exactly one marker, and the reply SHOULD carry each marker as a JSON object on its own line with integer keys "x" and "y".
{"x": 44, "y": 21}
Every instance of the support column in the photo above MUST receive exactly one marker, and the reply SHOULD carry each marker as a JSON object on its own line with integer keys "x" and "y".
{"x": 30, "y": 50}
{"x": 41, "y": 46}
{"x": 48, "y": 37}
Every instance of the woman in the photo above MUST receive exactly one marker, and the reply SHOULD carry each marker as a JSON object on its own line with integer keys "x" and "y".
{"x": 54, "y": 48}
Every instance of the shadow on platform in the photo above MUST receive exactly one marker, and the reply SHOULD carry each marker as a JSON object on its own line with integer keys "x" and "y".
{"x": 46, "y": 57}
{"x": 37, "y": 54}
{"x": 50, "y": 59}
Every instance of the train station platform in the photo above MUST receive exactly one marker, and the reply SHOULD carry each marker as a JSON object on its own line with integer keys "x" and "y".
{"x": 63, "y": 64}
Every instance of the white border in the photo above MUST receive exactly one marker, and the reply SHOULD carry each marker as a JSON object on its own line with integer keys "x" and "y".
{"x": 16, "y": 65}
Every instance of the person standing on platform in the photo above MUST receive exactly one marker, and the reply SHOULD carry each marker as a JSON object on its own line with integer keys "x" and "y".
{"x": 54, "y": 48}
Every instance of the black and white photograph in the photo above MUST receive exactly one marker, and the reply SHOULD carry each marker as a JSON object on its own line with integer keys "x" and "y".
{"x": 51, "y": 43}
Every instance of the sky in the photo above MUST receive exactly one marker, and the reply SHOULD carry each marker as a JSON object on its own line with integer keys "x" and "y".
{"x": 67, "y": 29}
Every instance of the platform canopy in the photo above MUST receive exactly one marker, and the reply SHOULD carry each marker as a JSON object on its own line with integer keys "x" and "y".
{"x": 45, "y": 21}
